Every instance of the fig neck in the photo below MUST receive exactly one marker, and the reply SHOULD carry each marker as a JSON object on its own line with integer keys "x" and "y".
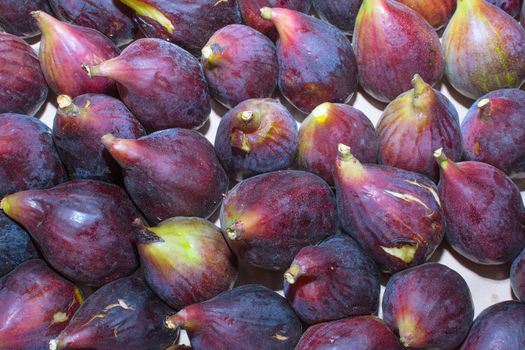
{"x": 349, "y": 166}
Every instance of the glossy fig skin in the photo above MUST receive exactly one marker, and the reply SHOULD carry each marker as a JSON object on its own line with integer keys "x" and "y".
{"x": 123, "y": 313}
{"x": 494, "y": 130}
{"x": 429, "y": 306}
{"x": 341, "y": 13}
{"x": 15, "y": 245}
{"x": 517, "y": 276}
{"x": 270, "y": 217}
{"x": 512, "y": 7}
{"x": 403, "y": 41}
{"x": 435, "y": 12}
{"x": 36, "y": 304}
{"x": 257, "y": 136}
{"x": 245, "y": 318}
{"x": 15, "y": 19}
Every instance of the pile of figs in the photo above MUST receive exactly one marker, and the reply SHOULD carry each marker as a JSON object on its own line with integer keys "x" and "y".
{"x": 123, "y": 226}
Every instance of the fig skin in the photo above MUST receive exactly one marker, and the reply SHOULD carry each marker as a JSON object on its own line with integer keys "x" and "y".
{"x": 436, "y": 12}
{"x": 162, "y": 85}
{"x": 483, "y": 209}
{"x": 332, "y": 280}
{"x": 340, "y": 13}
{"x": 257, "y": 136}
{"x": 77, "y": 128}
{"x": 82, "y": 227}
{"x": 16, "y": 246}
{"x": 122, "y": 314}
{"x": 517, "y": 276}
{"x": 245, "y": 318}
{"x": 239, "y": 63}
{"x": 522, "y": 15}
{"x": 494, "y": 130}
{"x": 270, "y": 217}
{"x": 170, "y": 173}
{"x": 512, "y": 7}
{"x": 23, "y": 89}
{"x": 328, "y": 125}
{"x": 304, "y": 39}
{"x": 36, "y": 306}
{"x": 429, "y": 306}
{"x": 15, "y": 19}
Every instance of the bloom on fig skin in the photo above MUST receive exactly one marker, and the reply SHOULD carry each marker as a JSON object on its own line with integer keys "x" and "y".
{"x": 435, "y": 12}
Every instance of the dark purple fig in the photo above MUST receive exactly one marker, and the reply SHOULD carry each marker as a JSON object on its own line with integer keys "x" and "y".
{"x": 303, "y": 40}
{"x": 162, "y": 84}
{"x": 341, "y": 13}
{"x": 270, "y": 217}
{"x": 332, "y": 280}
{"x": 28, "y": 159}
{"x": 122, "y": 314}
{"x": 517, "y": 276}
{"x": 82, "y": 227}
{"x": 245, "y": 318}
{"x": 429, "y": 306}
{"x": 15, "y": 245}
{"x": 240, "y": 63}
{"x": 435, "y": 12}
{"x": 78, "y": 126}
{"x": 170, "y": 173}
{"x": 394, "y": 214}
{"x": 328, "y": 125}
{"x": 23, "y": 88}
{"x": 15, "y": 18}
{"x": 36, "y": 305}
{"x": 414, "y": 125}
{"x": 512, "y": 7}
{"x": 483, "y": 210}
{"x": 494, "y": 130}
{"x": 257, "y": 136}
{"x": 522, "y": 15}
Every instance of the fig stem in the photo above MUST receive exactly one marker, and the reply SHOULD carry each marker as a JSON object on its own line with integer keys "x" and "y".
{"x": 146, "y": 235}
{"x": 485, "y": 108}
{"x": 54, "y": 344}
{"x": 293, "y": 273}
{"x": 344, "y": 152}
{"x": 212, "y": 54}
{"x": 175, "y": 321}
{"x": 108, "y": 140}
{"x": 66, "y": 105}
{"x": 88, "y": 69}
{"x": 266, "y": 13}
{"x": 233, "y": 234}
{"x": 441, "y": 158}
{"x": 419, "y": 84}
{"x": 4, "y": 205}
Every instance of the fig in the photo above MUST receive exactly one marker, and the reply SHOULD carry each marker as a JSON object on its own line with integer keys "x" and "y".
{"x": 429, "y": 306}
{"x": 305, "y": 39}
{"x": 484, "y": 49}
{"x": 517, "y": 276}
{"x": 494, "y": 130}
{"x": 239, "y": 63}
{"x": 82, "y": 227}
{"x": 270, "y": 217}
{"x": 435, "y": 12}
{"x": 332, "y": 280}
{"x": 522, "y": 15}
{"x": 36, "y": 306}
{"x": 162, "y": 85}
{"x": 483, "y": 210}
{"x": 512, "y": 7}
{"x": 170, "y": 173}
{"x": 403, "y": 41}
{"x": 15, "y": 18}
{"x": 392, "y": 213}
{"x": 29, "y": 159}
{"x": 341, "y": 13}
{"x": 257, "y": 136}
{"x": 23, "y": 89}
{"x": 414, "y": 125}
{"x": 122, "y": 314}
{"x": 328, "y": 125}
{"x": 15, "y": 245}
{"x": 186, "y": 260}
{"x": 77, "y": 128}
{"x": 245, "y": 318}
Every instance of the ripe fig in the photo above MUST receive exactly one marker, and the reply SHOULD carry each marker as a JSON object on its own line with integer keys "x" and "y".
{"x": 305, "y": 39}
{"x": 257, "y": 136}
{"x": 15, "y": 18}
{"x": 82, "y": 227}
{"x": 512, "y": 7}
{"x": 162, "y": 85}
{"x": 15, "y": 245}
{"x": 245, "y": 318}
{"x": 435, "y": 12}
{"x": 170, "y": 173}
{"x": 517, "y": 276}
{"x": 341, "y": 13}
{"x": 122, "y": 314}
{"x": 429, "y": 306}
{"x": 239, "y": 63}
{"x": 270, "y": 217}
{"x": 394, "y": 214}
{"x": 483, "y": 210}
{"x": 78, "y": 126}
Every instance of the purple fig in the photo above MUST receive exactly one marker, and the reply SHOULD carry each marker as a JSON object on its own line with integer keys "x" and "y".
{"x": 435, "y": 12}
{"x": 328, "y": 125}
{"x": 122, "y": 314}
{"x": 517, "y": 276}
{"x": 257, "y": 136}
{"x": 23, "y": 89}
{"x": 15, "y": 245}
{"x": 394, "y": 214}
{"x": 78, "y": 126}
{"x": 170, "y": 173}
{"x": 332, "y": 280}
{"x": 162, "y": 85}
{"x": 15, "y": 18}
{"x": 494, "y": 130}
{"x": 483, "y": 210}
{"x": 245, "y": 318}
{"x": 82, "y": 227}
{"x": 341, "y": 13}
{"x": 414, "y": 125}
{"x": 512, "y": 7}
{"x": 522, "y": 15}
{"x": 305, "y": 39}
{"x": 403, "y": 41}
{"x": 240, "y": 63}
{"x": 36, "y": 305}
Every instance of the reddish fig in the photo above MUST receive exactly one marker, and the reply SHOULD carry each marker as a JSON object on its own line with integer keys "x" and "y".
{"x": 341, "y": 13}
{"x": 435, "y": 12}
{"x": 512, "y": 7}
{"x": 517, "y": 276}
{"x": 15, "y": 18}
{"x": 15, "y": 245}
